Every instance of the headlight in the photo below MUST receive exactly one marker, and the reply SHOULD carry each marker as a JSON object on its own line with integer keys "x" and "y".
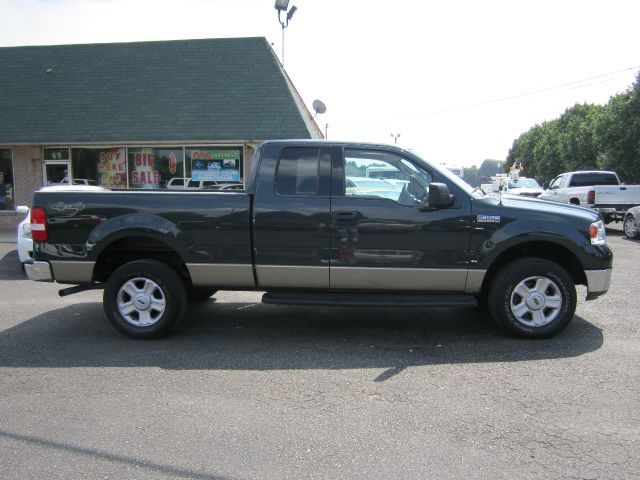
{"x": 596, "y": 232}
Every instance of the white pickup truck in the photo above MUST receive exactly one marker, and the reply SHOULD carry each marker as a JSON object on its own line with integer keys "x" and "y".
{"x": 596, "y": 189}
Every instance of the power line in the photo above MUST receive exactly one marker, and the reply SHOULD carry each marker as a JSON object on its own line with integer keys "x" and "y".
{"x": 498, "y": 100}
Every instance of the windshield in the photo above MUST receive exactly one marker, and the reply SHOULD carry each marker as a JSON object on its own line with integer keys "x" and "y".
{"x": 459, "y": 182}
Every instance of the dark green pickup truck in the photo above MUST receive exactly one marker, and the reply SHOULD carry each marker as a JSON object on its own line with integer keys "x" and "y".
{"x": 324, "y": 223}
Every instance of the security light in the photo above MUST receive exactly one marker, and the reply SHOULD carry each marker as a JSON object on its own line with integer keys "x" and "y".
{"x": 281, "y": 5}
{"x": 291, "y": 12}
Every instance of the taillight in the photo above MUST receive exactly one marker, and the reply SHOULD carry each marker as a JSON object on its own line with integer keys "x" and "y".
{"x": 591, "y": 197}
{"x": 39, "y": 225}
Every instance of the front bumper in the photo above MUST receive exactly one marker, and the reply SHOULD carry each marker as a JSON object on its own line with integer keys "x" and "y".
{"x": 598, "y": 282}
{"x": 39, "y": 271}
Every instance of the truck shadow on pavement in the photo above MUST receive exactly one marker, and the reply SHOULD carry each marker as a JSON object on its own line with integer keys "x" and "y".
{"x": 246, "y": 336}
{"x": 10, "y": 267}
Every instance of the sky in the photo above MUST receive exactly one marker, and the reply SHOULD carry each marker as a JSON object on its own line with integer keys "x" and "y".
{"x": 458, "y": 81}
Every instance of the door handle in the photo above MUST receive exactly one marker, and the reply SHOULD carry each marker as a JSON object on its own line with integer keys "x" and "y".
{"x": 342, "y": 217}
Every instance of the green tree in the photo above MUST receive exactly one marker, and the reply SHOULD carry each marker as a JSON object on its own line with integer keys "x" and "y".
{"x": 584, "y": 137}
{"x": 617, "y": 132}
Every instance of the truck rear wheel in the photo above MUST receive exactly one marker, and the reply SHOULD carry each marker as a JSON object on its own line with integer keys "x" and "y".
{"x": 532, "y": 298}
{"x": 144, "y": 299}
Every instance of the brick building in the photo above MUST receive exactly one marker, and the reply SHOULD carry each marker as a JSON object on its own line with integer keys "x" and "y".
{"x": 139, "y": 115}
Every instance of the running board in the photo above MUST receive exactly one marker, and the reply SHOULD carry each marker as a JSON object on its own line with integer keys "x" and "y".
{"x": 340, "y": 299}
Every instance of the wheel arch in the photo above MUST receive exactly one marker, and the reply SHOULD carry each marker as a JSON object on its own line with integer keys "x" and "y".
{"x": 550, "y": 251}
{"x": 122, "y": 248}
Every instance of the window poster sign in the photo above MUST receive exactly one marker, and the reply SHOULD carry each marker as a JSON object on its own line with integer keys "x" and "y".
{"x": 112, "y": 169}
{"x": 143, "y": 171}
{"x": 215, "y": 164}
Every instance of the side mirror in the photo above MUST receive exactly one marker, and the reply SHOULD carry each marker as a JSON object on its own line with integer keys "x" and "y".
{"x": 439, "y": 196}
{"x": 545, "y": 186}
{"x": 22, "y": 209}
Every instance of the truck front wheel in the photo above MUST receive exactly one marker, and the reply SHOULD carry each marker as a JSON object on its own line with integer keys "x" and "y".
{"x": 532, "y": 298}
{"x": 144, "y": 299}
{"x": 630, "y": 227}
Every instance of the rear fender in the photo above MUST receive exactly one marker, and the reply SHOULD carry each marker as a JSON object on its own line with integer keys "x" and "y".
{"x": 135, "y": 225}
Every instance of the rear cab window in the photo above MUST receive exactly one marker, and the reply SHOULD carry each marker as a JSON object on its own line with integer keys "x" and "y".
{"x": 298, "y": 171}
{"x": 593, "y": 178}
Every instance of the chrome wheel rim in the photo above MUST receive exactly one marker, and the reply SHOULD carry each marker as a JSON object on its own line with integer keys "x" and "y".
{"x": 141, "y": 302}
{"x": 630, "y": 227}
{"x": 536, "y": 301}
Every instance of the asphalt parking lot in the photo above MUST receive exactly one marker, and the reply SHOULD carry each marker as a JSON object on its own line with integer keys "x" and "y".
{"x": 252, "y": 391}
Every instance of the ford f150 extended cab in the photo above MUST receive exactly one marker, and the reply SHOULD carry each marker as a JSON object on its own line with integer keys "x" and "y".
{"x": 423, "y": 238}
{"x": 595, "y": 189}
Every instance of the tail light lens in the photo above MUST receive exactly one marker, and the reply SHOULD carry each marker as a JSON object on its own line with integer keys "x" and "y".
{"x": 39, "y": 225}
{"x": 591, "y": 197}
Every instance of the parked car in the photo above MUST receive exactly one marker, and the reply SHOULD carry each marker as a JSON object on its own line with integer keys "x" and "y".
{"x": 78, "y": 181}
{"x": 179, "y": 183}
{"x": 364, "y": 186}
{"x": 526, "y": 187}
{"x": 631, "y": 221}
{"x": 23, "y": 236}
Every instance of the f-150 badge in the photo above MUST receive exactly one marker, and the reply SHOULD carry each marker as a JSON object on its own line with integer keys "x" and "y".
{"x": 488, "y": 218}
{"x": 68, "y": 209}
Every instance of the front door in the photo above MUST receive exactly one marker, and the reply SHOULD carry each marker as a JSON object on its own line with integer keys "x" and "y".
{"x": 384, "y": 236}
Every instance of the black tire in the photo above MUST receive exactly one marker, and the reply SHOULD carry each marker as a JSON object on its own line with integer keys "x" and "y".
{"x": 200, "y": 294}
{"x": 144, "y": 299}
{"x": 630, "y": 227}
{"x": 532, "y": 298}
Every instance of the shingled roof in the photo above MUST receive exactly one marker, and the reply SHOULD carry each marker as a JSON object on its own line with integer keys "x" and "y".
{"x": 228, "y": 89}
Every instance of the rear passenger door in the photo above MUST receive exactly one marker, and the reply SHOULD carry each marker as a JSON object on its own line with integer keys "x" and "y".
{"x": 291, "y": 217}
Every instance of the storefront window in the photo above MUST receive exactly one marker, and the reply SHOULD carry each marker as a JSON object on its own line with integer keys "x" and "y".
{"x": 155, "y": 167}
{"x": 219, "y": 164}
{"x": 99, "y": 166}
{"x": 7, "y": 192}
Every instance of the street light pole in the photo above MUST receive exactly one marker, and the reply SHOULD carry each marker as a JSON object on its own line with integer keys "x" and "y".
{"x": 283, "y": 6}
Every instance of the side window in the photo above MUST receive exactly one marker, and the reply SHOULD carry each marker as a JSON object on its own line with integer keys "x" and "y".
{"x": 384, "y": 175}
{"x": 298, "y": 171}
{"x": 555, "y": 184}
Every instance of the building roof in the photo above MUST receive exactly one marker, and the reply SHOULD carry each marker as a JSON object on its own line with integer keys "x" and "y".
{"x": 230, "y": 89}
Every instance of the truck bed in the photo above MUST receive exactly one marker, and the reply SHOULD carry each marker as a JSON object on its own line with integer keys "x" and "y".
{"x": 205, "y": 227}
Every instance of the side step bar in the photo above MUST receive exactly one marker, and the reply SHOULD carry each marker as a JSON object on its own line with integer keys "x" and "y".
{"x": 340, "y": 299}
